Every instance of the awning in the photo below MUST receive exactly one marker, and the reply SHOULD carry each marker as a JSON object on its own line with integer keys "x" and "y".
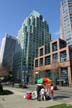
{"x": 61, "y": 80}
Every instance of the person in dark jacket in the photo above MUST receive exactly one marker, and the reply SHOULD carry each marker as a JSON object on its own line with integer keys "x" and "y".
{"x": 38, "y": 89}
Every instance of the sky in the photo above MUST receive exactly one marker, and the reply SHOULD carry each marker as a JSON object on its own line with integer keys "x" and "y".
{"x": 13, "y": 13}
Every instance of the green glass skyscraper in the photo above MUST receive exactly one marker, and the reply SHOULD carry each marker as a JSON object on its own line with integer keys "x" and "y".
{"x": 33, "y": 34}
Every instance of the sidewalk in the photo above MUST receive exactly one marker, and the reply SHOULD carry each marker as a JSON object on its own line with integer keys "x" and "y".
{"x": 1, "y": 106}
{"x": 17, "y": 101}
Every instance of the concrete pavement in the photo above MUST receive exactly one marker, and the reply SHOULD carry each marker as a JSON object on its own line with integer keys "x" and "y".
{"x": 1, "y": 106}
{"x": 16, "y": 100}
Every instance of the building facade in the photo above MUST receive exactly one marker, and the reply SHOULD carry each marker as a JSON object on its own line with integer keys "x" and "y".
{"x": 66, "y": 21}
{"x": 7, "y": 51}
{"x": 33, "y": 34}
{"x": 56, "y": 65}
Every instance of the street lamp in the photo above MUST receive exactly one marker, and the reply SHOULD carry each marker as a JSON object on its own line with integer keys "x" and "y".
{"x": 36, "y": 76}
{"x": 23, "y": 78}
{"x": 36, "y": 72}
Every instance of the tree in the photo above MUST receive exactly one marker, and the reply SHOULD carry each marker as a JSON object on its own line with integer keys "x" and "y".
{"x": 1, "y": 87}
{"x": 55, "y": 66}
{"x": 3, "y": 73}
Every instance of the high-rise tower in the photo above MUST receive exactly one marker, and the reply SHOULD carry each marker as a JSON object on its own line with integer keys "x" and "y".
{"x": 66, "y": 21}
{"x": 33, "y": 34}
{"x": 7, "y": 51}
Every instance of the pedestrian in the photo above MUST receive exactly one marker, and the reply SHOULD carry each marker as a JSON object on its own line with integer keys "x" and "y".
{"x": 38, "y": 93}
{"x": 42, "y": 93}
{"x": 51, "y": 91}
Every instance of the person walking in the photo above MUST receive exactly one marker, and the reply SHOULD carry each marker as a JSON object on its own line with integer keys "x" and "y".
{"x": 38, "y": 89}
{"x": 42, "y": 93}
{"x": 51, "y": 91}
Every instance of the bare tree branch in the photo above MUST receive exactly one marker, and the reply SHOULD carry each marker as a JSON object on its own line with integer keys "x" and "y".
{"x": 55, "y": 66}
{"x": 3, "y": 71}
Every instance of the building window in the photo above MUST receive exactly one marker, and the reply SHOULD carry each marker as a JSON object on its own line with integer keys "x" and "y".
{"x": 41, "y": 52}
{"x": 29, "y": 21}
{"x": 47, "y": 49}
{"x": 41, "y": 17}
{"x": 30, "y": 29}
{"x": 54, "y": 46}
{"x": 36, "y": 53}
{"x": 25, "y": 28}
{"x": 47, "y": 60}
{"x": 36, "y": 63}
{"x": 70, "y": 52}
{"x": 64, "y": 74}
{"x": 41, "y": 61}
{"x": 33, "y": 21}
{"x": 55, "y": 57}
{"x": 63, "y": 56}
{"x": 62, "y": 44}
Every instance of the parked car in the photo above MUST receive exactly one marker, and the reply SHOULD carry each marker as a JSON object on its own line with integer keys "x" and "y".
{"x": 55, "y": 87}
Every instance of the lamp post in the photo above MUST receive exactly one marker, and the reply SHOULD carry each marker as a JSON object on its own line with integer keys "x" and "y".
{"x": 36, "y": 76}
{"x": 23, "y": 80}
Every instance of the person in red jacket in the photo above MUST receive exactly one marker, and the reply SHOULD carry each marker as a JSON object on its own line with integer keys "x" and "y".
{"x": 28, "y": 95}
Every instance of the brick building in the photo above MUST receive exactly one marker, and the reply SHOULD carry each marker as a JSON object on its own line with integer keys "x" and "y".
{"x": 57, "y": 60}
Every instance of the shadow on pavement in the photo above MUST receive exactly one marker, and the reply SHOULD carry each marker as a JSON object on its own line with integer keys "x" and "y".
{"x": 6, "y": 92}
{"x": 60, "y": 97}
